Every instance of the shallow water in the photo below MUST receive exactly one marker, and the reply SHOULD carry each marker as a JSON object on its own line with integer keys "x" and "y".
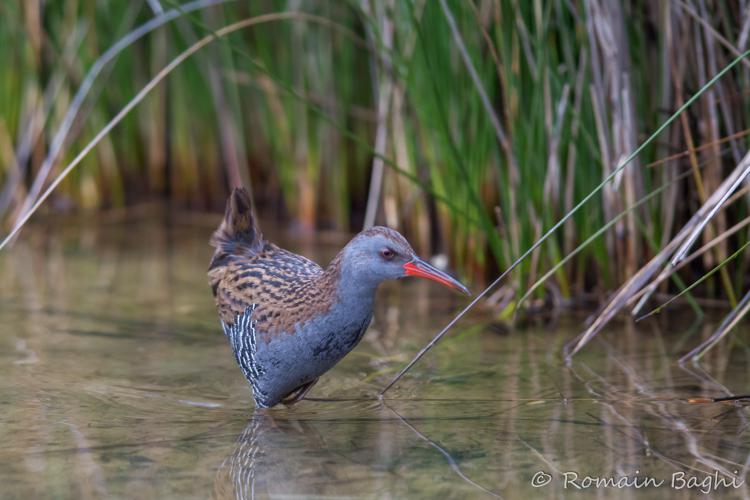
{"x": 115, "y": 381}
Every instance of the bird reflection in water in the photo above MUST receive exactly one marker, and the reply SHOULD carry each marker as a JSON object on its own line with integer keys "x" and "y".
{"x": 272, "y": 456}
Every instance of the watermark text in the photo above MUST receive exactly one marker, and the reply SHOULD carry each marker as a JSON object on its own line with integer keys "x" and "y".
{"x": 705, "y": 483}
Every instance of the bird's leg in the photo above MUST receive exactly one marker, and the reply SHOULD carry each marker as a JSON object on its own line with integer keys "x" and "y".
{"x": 299, "y": 393}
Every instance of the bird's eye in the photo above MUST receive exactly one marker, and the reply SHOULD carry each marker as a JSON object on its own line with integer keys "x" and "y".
{"x": 387, "y": 253}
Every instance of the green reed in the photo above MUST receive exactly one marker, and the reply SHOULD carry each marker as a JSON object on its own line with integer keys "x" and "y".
{"x": 291, "y": 108}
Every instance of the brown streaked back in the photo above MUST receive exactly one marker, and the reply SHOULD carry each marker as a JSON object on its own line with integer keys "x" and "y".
{"x": 285, "y": 288}
{"x": 246, "y": 270}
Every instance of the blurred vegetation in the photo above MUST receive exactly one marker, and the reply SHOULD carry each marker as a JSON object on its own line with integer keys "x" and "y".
{"x": 472, "y": 126}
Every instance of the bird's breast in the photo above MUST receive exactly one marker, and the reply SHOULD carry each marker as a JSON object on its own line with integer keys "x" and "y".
{"x": 324, "y": 338}
{"x": 292, "y": 359}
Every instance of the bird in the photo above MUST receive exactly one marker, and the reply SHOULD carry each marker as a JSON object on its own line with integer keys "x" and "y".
{"x": 289, "y": 320}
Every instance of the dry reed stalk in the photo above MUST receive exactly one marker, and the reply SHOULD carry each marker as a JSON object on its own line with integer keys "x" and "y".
{"x": 384, "y": 78}
{"x": 669, "y": 255}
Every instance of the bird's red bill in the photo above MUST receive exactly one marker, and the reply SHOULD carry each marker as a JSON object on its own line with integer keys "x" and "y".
{"x": 422, "y": 269}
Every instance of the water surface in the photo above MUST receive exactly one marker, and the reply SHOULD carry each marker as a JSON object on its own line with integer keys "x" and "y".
{"x": 115, "y": 381}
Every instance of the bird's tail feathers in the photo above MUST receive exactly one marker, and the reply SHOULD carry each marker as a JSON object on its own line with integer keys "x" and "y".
{"x": 238, "y": 233}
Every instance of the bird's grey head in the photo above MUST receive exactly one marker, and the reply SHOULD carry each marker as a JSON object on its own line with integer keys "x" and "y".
{"x": 377, "y": 254}
{"x": 380, "y": 253}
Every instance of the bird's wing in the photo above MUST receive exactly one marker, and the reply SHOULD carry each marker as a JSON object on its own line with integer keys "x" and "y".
{"x": 286, "y": 289}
